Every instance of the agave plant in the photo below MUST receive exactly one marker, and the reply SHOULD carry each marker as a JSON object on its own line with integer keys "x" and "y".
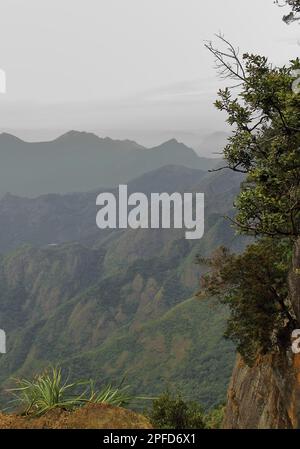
{"x": 118, "y": 396}
{"x": 48, "y": 390}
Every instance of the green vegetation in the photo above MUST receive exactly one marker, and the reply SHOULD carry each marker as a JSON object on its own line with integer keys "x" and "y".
{"x": 174, "y": 413}
{"x": 214, "y": 419}
{"x": 49, "y": 390}
{"x": 183, "y": 350}
{"x": 265, "y": 114}
{"x": 125, "y": 307}
{"x": 254, "y": 286}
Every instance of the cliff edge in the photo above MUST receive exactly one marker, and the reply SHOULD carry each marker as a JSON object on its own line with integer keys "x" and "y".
{"x": 267, "y": 395}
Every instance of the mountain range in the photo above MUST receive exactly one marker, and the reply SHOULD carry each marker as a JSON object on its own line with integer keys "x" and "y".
{"x": 108, "y": 304}
{"x": 80, "y": 161}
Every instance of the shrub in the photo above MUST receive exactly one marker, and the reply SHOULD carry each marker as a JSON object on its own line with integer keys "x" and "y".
{"x": 174, "y": 413}
{"x": 214, "y": 419}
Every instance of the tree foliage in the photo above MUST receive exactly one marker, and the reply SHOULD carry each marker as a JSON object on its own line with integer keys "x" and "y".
{"x": 263, "y": 109}
{"x": 254, "y": 286}
{"x": 172, "y": 412}
{"x": 265, "y": 115}
{"x": 294, "y": 14}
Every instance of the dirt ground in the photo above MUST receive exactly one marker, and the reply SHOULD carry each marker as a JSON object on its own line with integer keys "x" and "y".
{"x": 93, "y": 416}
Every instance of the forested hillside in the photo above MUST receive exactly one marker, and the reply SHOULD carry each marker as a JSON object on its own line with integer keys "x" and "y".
{"x": 121, "y": 303}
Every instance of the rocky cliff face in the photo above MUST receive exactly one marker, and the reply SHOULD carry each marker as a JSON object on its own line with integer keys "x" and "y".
{"x": 267, "y": 395}
{"x": 294, "y": 281}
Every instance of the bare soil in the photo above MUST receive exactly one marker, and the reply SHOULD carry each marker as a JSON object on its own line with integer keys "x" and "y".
{"x": 93, "y": 416}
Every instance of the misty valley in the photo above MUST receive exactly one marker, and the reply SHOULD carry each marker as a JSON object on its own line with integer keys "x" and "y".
{"x": 105, "y": 302}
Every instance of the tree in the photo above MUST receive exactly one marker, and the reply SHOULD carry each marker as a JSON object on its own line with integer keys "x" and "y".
{"x": 254, "y": 287}
{"x": 294, "y": 15}
{"x": 263, "y": 110}
{"x": 170, "y": 412}
{"x": 214, "y": 418}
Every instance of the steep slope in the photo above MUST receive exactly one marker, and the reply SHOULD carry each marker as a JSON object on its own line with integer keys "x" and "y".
{"x": 117, "y": 324}
{"x": 182, "y": 350}
{"x": 124, "y": 303}
{"x": 265, "y": 396}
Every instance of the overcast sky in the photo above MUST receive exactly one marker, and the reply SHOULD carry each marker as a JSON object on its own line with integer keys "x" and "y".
{"x": 128, "y": 68}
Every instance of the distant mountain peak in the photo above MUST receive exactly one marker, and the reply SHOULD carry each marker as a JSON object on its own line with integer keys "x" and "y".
{"x": 74, "y": 136}
{"x": 172, "y": 142}
{"x": 77, "y": 135}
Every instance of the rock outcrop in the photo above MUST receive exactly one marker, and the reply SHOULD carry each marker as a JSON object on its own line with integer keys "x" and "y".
{"x": 265, "y": 396}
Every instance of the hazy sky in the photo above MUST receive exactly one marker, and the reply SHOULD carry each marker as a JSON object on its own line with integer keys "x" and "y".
{"x": 128, "y": 68}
